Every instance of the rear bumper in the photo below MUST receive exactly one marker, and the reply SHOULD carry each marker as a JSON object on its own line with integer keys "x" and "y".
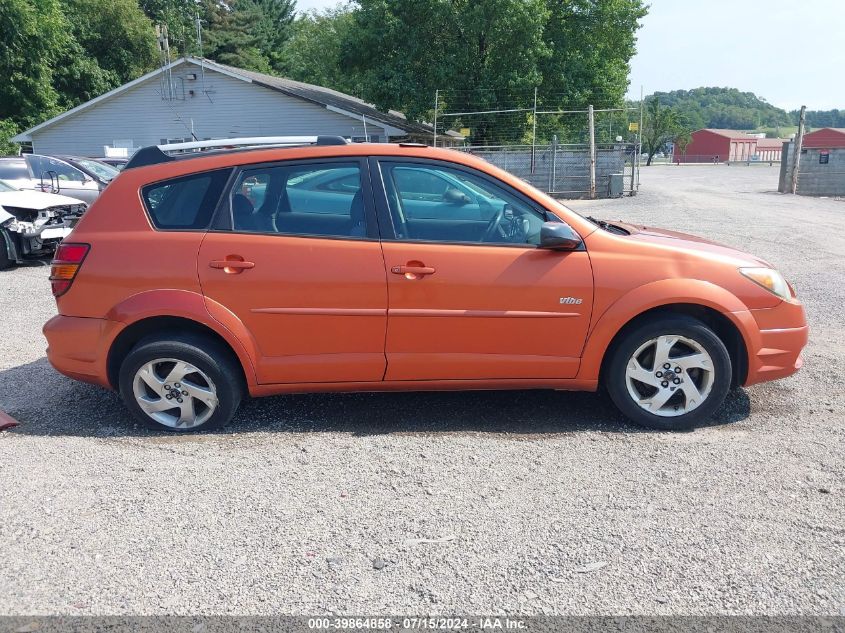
{"x": 75, "y": 347}
{"x": 775, "y": 349}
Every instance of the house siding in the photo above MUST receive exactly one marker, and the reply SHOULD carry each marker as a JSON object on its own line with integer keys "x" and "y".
{"x": 228, "y": 107}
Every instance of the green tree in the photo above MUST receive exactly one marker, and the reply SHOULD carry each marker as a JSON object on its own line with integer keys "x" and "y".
{"x": 108, "y": 42}
{"x": 32, "y": 37}
{"x": 490, "y": 55}
{"x": 273, "y": 26}
{"x": 682, "y": 140}
{"x": 179, "y": 17}
{"x": 229, "y": 38}
{"x": 116, "y": 34}
{"x": 404, "y": 51}
{"x": 315, "y": 49}
{"x": 590, "y": 44}
{"x": 821, "y": 118}
{"x": 249, "y": 34}
{"x": 660, "y": 126}
{"x": 8, "y": 129}
{"x": 724, "y": 108}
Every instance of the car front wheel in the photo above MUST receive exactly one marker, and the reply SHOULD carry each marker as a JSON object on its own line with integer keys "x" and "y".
{"x": 181, "y": 383}
{"x": 669, "y": 374}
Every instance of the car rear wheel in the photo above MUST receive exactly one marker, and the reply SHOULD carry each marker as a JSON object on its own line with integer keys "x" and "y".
{"x": 669, "y": 374}
{"x": 181, "y": 383}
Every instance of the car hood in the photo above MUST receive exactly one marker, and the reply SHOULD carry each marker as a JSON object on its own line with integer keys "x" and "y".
{"x": 694, "y": 243}
{"x": 35, "y": 200}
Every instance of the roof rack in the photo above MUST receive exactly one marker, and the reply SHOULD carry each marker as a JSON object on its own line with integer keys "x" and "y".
{"x": 156, "y": 154}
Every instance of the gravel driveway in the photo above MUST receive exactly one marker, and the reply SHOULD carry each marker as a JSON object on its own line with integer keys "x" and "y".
{"x": 536, "y": 502}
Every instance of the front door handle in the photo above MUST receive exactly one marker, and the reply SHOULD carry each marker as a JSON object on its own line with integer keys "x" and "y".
{"x": 233, "y": 264}
{"x": 413, "y": 270}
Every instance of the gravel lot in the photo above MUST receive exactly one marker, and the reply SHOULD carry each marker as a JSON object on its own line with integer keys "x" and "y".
{"x": 545, "y": 502}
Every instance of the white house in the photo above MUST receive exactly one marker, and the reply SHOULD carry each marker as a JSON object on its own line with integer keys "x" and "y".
{"x": 197, "y": 99}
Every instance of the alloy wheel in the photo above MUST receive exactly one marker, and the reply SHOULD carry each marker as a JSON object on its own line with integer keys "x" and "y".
{"x": 670, "y": 375}
{"x": 174, "y": 393}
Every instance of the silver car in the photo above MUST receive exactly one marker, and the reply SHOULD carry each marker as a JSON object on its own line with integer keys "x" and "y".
{"x": 77, "y": 177}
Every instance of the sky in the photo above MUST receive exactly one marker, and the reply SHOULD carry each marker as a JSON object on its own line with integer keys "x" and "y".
{"x": 789, "y": 52}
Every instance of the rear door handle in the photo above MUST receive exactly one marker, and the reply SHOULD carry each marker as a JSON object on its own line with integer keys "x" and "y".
{"x": 233, "y": 264}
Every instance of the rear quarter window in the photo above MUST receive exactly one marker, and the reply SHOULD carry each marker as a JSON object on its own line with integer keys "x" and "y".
{"x": 187, "y": 202}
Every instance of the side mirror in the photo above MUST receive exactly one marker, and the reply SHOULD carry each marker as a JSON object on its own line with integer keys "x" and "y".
{"x": 558, "y": 236}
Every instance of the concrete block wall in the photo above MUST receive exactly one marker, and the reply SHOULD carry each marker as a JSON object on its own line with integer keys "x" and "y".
{"x": 815, "y": 178}
{"x": 567, "y": 172}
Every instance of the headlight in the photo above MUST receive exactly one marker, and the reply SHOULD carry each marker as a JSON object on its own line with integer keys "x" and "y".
{"x": 769, "y": 279}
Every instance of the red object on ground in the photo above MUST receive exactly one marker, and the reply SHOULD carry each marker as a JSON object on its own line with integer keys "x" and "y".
{"x": 7, "y": 421}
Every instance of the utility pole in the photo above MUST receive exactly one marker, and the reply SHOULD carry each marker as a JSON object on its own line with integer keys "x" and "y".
{"x": 436, "y": 99}
{"x": 639, "y": 139}
{"x": 534, "y": 135}
{"x": 591, "y": 119}
{"x": 799, "y": 143}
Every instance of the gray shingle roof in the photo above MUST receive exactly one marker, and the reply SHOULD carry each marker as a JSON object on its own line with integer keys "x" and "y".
{"x": 326, "y": 97}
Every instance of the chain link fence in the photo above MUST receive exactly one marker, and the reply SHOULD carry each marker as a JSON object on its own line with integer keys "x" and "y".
{"x": 564, "y": 169}
{"x": 584, "y": 153}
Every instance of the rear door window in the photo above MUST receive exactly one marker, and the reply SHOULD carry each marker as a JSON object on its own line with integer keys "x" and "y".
{"x": 319, "y": 199}
{"x": 185, "y": 203}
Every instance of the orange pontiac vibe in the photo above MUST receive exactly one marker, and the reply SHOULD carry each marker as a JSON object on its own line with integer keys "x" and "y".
{"x": 208, "y": 271}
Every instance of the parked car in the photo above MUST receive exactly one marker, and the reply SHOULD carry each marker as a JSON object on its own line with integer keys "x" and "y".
{"x": 204, "y": 276}
{"x": 117, "y": 163}
{"x": 82, "y": 178}
{"x": 33, "y": 223}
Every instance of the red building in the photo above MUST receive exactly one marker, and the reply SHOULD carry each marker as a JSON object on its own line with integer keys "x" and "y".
{"x": 825, "y": 138}
{"x": 715, "y": 146}
{"x": 769, "y": 149}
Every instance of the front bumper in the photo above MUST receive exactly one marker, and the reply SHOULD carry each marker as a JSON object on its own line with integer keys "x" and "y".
{"x": 77, "y": 349}
{"x": 775, "y": 341}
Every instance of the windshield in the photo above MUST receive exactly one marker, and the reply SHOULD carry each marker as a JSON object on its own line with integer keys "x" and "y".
{"x": 6, "y": 187}
{"x": 101, "y": 170}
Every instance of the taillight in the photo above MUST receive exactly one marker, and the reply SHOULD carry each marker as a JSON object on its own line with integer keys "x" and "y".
{"x": 65, "y": 265}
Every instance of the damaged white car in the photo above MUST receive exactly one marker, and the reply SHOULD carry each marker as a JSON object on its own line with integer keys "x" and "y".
{"x": 33, "y": 223}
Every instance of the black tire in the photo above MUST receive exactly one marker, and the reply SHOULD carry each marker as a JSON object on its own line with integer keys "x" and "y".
{"x": 214, "y": 359}
{"x": 5, "y": 255}
{"x": 615, "y": 375}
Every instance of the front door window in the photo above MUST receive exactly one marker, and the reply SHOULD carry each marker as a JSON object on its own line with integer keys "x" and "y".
{"x": 443, "y": 204}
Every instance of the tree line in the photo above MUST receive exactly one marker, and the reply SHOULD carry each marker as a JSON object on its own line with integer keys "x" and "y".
{"x": 56, "y": 54}
{"x": 671, "y": 117}
{"x": 732, "y": 109}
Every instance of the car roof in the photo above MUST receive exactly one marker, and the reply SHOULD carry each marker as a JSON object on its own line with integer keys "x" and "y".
{"x": 218, "y": 159}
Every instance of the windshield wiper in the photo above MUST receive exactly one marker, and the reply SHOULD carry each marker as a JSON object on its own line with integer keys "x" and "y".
{"x": 603, "y": 224}
{"x": 607, "y": 226}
